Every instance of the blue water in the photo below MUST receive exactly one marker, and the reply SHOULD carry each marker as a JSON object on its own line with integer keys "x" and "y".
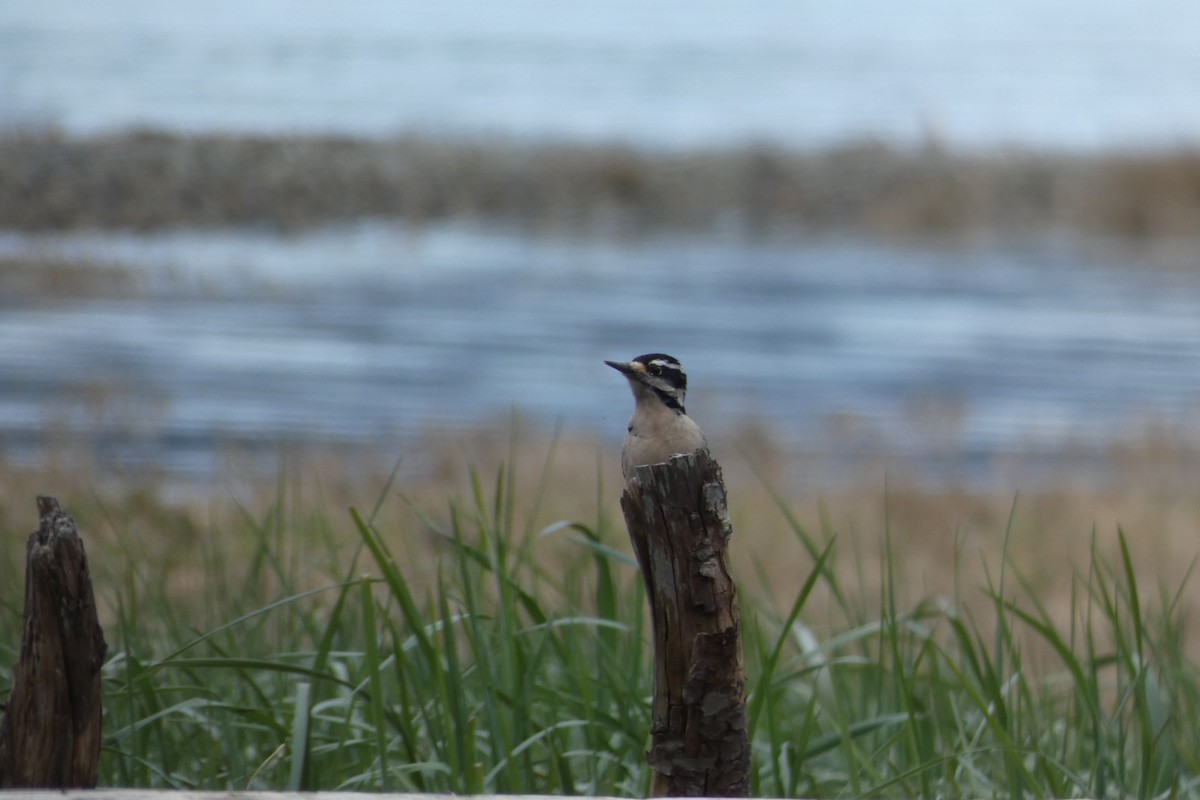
{"x": 367, "y": 332}
{"x": 1057, "y": 73}
{"x": 977, "y": 351}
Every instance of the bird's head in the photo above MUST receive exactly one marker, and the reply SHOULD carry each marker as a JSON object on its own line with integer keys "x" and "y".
{"x": 655, "y": 376}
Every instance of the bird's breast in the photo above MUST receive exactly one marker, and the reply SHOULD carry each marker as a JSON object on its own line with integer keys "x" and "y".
{"x": 654, "y": 438}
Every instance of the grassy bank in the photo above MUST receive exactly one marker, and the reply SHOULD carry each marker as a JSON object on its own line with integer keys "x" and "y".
{"x": 482, "y": 628}
{"x": 148, "y": 180}
{"x": 33, "y": 279}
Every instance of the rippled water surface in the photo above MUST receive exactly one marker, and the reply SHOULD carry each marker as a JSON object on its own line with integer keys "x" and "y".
{"x": 679, "y": 72}
{"x": 367, "y": 332}
{"x": 370, "y": 331}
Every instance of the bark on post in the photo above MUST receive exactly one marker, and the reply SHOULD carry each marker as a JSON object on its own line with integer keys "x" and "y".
{"x": 50, "y": 737}
{"x": 679, "y": 526}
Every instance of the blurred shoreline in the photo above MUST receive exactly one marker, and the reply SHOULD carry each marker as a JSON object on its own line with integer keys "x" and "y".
{"x": 147, "y": 180}
{"x": 1046, "y": 527}
{"x": 948, "y": 364}
{"x": 109, "y": 454}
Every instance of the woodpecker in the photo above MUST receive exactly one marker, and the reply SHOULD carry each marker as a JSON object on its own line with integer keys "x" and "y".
{"x": 659, "y": 427}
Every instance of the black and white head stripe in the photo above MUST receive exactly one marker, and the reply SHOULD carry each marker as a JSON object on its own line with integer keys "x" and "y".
{"x": 665, "y": 367}
{"x": 664, "y": 374}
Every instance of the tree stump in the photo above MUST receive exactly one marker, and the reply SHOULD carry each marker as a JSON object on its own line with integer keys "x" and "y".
{"x": 50, "y": 737}
{"x": 679, "y": 525}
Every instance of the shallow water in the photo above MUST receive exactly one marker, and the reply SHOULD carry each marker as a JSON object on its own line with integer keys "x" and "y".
{"x": 1055, "y": 73}
{"x": 369, "y": 332}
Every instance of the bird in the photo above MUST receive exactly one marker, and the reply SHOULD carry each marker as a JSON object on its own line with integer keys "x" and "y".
{"x": 659, "y": 427}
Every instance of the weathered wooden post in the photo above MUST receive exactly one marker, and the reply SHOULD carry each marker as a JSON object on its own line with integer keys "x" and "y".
{"x": 50, "y": 737}
{"x": 679, "y": 525}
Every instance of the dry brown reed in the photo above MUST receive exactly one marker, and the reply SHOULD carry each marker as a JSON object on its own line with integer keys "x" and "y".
{"x": 946, "y": 541}
{"x": 144, "y": 180}
{"x": 34, "y": 279}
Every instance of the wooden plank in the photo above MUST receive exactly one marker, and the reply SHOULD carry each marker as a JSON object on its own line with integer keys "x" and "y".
{"x": 169, "y": 794}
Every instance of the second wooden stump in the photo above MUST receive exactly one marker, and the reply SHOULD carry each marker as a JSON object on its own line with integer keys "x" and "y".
{"x": 50, "y": 735}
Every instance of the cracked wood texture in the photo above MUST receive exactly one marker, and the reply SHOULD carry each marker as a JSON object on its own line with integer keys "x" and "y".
{"x": 50, "y": 737}
{"x": 679, "y": 525}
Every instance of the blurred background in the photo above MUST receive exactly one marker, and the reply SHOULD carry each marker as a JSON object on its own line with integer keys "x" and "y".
{"x": 958, "y": 242}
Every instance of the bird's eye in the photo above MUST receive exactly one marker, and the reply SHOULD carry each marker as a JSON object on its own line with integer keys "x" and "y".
{"x": 655, "y": 369}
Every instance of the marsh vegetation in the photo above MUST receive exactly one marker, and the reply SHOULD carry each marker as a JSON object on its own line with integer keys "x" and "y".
{"x": 481, "y": 628}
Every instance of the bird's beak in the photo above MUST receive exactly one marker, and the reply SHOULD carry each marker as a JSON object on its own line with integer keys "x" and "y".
{"x": 626, "y": 368}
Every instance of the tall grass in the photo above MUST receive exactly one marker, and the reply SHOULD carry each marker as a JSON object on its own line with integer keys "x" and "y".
{"x": 482, "y": 653}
